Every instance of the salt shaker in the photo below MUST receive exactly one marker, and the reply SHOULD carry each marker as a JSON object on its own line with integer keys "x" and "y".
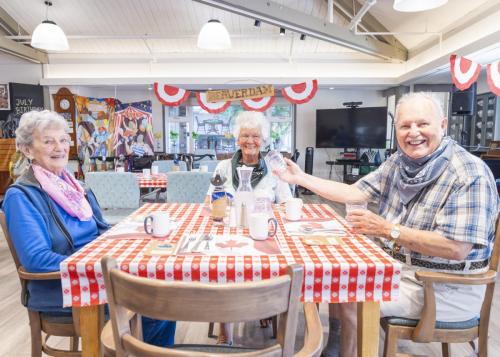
{"x": 243, "y": 216}
{"x": 233, "y": 220}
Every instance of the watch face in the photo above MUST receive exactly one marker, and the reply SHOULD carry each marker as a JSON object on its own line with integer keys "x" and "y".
{"x": 64, "y": 104}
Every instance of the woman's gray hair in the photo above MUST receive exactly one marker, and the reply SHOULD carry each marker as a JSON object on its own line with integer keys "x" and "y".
{"x": 252, "y": 120}
{"x": 40, "y": 120}
{"x": 438, "y": 108}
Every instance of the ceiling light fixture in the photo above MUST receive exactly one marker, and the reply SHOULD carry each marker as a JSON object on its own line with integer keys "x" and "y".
{"x": 48, "y": 36}
{"x": 302, "y": 37}
{"x": 282, "y": 31}
{"x": 257, "y": 23}
{"x": 214, "y": 36}
{"x": 417, "y": 5}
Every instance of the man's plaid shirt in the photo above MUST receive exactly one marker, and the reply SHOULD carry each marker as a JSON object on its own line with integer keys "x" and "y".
{"x": 461, "y": 205}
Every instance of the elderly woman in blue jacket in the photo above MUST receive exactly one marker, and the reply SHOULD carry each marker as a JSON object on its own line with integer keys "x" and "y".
{"x": 50, "y": 215}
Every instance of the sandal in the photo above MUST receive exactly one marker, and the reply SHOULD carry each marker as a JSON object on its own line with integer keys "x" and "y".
{"x": 265, "y": 323}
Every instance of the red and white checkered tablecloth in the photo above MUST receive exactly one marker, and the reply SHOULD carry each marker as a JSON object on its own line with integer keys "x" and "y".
{"x": 155, "y": 181}
{"x": 356, "y": 270}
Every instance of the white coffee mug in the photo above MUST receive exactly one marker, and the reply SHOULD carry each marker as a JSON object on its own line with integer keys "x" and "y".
{"x": 293, "y": 209}
{"x": 203, "y": 168}
{"x": 259, "y": 226}
{"x": 160, "y": 224}
{"x": 146, "y": 173}
{"x": 154, "y": 170}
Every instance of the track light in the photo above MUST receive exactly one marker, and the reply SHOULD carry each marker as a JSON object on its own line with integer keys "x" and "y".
{"x": 282, "y": 31}
{"x": 257, "y": 23}
{"x": 302, "y": 37}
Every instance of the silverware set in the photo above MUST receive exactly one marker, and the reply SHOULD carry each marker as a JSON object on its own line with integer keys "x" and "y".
{"x": 199, "y": 239}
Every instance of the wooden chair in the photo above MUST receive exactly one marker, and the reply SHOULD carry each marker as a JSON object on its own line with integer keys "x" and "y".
{"x": 427, "y": 329}
{"x": 39, "y": 321}
{"x": 195, "y": 301}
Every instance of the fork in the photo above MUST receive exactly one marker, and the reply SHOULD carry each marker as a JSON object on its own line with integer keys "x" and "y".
{"x": 192, "y": 238}
{"x": 208, "y": 238}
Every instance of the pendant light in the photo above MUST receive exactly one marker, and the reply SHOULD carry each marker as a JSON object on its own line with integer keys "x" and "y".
{"x": 214, "y": 36}
{"x": 48, "y": 36}
{"x": 417, "y": 5}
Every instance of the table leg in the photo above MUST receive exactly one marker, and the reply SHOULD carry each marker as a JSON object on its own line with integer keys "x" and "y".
{"x": 89, "y": 330}
{"x": 368, "y": 328}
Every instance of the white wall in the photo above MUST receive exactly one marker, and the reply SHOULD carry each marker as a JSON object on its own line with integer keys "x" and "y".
{"x": 28, "y": 73}
{"x": 306, "y": 123}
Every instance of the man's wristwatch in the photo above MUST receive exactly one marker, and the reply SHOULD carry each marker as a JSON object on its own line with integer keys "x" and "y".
{"x": 395, "y": 232}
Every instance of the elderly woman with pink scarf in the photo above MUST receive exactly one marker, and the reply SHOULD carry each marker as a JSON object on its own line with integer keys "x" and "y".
{"x": 50, "y": 215}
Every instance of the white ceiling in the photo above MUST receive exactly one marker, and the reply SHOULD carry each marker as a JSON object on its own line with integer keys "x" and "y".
{"x": 165, "y": 31}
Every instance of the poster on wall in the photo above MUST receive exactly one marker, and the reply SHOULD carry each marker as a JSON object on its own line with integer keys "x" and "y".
{"x": 95, "y": 126}
{"x": 23, "y": 98}
{"x": 134, "y": 129}
{"x": 4, "y": 97}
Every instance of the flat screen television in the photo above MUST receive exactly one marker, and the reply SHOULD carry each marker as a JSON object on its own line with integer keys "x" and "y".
{"x": 351, "y": 128}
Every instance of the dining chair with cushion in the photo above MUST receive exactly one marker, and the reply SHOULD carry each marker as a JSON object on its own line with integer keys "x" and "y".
{"x": 211, "y": 164}
{"x": 117, "y": 193}
{"x": 168, "y": 165}
{"x": 427, "y": 329}
{"x": 130, "y": 295}
{"x": 187, "y": 187}
{"x": 52, "y": 324}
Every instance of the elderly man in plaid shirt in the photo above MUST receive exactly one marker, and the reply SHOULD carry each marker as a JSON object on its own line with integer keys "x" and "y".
{"x": 437, "y": 207}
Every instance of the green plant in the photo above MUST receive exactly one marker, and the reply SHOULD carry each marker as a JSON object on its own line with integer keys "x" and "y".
{"x": 275, "y": 135}
{"x": 195, "y": 135}
{"x": 174, "y": 135}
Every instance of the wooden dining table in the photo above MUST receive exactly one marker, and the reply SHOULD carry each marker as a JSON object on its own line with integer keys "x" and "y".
{"x": 354, "y": 269}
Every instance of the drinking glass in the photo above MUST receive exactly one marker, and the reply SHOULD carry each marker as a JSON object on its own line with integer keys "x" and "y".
{"x": 274, "y": 161}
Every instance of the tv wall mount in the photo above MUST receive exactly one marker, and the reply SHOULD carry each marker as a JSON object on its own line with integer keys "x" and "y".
{"x": 352, "y": 105}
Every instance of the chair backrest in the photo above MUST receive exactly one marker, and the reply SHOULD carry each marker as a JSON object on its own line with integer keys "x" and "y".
{"x": 168, "y": 165}
{"x": 203, "y": 302}
{"x": 211, "y": 164}
{"x": 494, "y": 261}
{"x": 114, "y": 189}
{"x": 3, "y": 223}
{"x": 187, "y": 187}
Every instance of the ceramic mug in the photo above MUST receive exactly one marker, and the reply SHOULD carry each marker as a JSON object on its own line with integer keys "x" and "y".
{"x": 259, "y": 226}
{"x": 160, "y": 224}
{"x": 146, "y": 173}
{"x": 154, "y": 170}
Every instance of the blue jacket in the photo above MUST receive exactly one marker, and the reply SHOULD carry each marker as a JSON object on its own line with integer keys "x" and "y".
{"x": 46, "y": 226}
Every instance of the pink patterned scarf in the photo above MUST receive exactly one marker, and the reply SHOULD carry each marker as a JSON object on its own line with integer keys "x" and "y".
{"x": 66, "y": 191}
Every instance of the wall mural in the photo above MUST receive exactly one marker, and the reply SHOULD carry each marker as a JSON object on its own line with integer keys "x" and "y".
{"x": 95, "y": 126}
{"x": 134, "y": 129}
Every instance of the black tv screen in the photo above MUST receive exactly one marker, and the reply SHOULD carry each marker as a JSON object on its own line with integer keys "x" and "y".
{"x": 351, "y": 128}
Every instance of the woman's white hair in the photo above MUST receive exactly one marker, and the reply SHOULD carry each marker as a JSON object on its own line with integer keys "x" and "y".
{"x": 34, "y": 120}
{"x": 252, "y": 120}
{"x": 438, "y": 108}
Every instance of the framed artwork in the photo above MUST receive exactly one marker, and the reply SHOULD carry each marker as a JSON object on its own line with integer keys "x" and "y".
{"x": 4, "y": 97}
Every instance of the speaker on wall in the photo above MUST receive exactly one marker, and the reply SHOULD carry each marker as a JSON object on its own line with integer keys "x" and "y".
{"x": 308, "y": 166}
{"x": 463, "y": 102}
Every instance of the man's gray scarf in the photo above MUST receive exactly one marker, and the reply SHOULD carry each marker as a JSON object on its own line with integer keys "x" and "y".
{"x": 416, "y": 174}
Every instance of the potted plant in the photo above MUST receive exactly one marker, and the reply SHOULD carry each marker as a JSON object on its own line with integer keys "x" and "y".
{"x": 174, "y": 136}
{"x": 195, "y": 137}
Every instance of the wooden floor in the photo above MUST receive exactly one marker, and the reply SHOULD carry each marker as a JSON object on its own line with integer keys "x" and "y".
{"x": 15, "y": 338}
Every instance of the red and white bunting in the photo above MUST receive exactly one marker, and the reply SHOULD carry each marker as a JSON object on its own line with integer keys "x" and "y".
{"x": 464, "y": 72}
{"x": 213, "y": 108}
{"x": 301, "y": 93}
{"x": 169, "y": 95}
{"x": 493, "y": 76}
{"x": 257, "y": 104}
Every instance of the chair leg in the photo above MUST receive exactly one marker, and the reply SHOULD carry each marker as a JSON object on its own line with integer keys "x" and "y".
{"x": 73, "y": 343}
{"x": 211, "y": 330}
{"x": 391, "y": 342}
{"x": 275, "y": 326}
{"x": 36, "y": 333}
{"x": 445, "y": 349}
